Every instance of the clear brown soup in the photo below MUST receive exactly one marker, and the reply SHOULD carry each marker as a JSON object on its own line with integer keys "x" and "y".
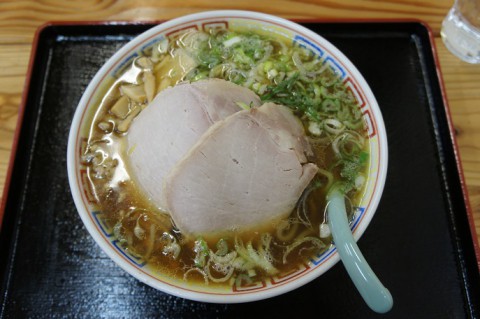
{"x": 332, "y": 122}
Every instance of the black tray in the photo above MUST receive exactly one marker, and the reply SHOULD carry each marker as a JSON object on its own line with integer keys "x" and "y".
{"x": 419, "y": 241}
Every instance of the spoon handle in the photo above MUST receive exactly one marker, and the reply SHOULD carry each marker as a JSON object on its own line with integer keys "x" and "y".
{"x": 376, "y": 296}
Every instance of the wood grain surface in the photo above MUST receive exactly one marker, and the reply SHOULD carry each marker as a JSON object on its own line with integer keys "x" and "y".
{"x": 20, "y": 19}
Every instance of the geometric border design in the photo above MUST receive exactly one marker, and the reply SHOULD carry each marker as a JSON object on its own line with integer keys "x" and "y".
{"x": 99, "y": 218}
{"x": 250, "y": 287}
{"x": 336, "y": 68}
{"x": 215, "y": 25}
{"x": 371, "y": 131}
{"x": 351, "y": 87}
{"x": 322, "y": 257}
{"x": 137, "y": 261}
{"x": 175, "y": 34}
{"x": 304, "y": 43}
{"x": 281, "y": 278}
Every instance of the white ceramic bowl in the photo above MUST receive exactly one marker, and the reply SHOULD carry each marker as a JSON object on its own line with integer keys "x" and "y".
{"x": 254, "y": 21}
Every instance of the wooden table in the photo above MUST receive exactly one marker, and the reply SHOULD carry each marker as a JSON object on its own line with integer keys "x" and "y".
{"x": 20, "y": 19}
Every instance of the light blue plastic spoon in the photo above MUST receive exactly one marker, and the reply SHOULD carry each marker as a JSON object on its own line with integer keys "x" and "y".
{"x": 376, "y": 296}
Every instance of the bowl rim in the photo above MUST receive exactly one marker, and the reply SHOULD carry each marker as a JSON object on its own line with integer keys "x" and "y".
{"x": 240, "y": 297}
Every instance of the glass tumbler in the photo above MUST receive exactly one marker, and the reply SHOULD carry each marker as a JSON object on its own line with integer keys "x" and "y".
{"x": 461, "y": 30}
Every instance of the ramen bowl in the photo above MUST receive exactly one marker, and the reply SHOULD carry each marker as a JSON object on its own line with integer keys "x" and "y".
{"x": 104, "y": 235}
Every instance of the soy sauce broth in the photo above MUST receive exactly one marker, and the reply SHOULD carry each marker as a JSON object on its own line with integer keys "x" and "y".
{"x": 277, "y": 72}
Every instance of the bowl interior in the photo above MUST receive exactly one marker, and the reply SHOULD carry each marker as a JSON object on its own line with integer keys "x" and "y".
{"x": 94, "y": 219}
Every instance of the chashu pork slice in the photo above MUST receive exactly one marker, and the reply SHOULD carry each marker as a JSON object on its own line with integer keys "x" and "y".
{"x": 247, "y": 171}
{"x": 172, "y": 123}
